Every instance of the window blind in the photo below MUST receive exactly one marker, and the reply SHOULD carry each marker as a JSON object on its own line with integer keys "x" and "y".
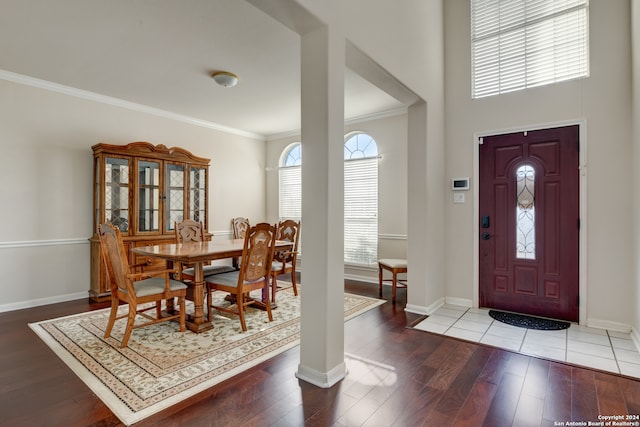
{"x": 290, "y": 189}
{"x": 520, "y": 44}
{"x": 290, "y": 199}
{"x": 361, "y": 211}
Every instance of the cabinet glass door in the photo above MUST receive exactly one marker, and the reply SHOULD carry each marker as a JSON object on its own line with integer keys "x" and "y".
{"x": 148, "y": 195}
{"x": 116, "y": 192}
{"x": 197, "y": 196}
{"x": 174, "y": 203}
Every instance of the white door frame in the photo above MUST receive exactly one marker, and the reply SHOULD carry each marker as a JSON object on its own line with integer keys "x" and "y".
{"x": 477, "y": 137}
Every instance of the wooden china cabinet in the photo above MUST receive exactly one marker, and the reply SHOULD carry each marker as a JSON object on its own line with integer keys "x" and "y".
{"x": 143, "y": 189}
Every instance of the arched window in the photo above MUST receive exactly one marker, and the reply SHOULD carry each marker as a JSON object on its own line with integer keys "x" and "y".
{"x": 290, "y": 183}
{"x": 360, "y": 200}
{"x": 360, "y": 195}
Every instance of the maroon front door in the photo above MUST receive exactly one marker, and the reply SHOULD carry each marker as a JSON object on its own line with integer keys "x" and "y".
{"x": 529, "y": 222}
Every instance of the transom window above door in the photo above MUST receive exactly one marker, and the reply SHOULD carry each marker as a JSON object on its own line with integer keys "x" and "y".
{"x": 520, "y": 44}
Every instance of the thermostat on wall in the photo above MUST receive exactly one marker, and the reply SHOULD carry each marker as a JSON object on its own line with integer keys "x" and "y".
{"x": 460, "y": 184}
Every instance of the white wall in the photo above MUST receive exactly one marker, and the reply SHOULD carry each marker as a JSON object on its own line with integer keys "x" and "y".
{"x": 46, "y": 215}
{"x": 635, "y": 45}
{"x": 603, "y": 103}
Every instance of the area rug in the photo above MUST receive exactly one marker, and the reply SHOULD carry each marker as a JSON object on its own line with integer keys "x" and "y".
{"x": 529, "y": 322}
{"x": 161, "y": 366}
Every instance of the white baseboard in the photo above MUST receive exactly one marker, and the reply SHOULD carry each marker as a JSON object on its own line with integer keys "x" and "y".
{"x": 425, "y": 311}
{"x": 463, "y": 302}
{"x": 322, "y": 379}
{"x": 42, "y": 301}
{"x": 635, "y": 337}
{"x": 609, "y": 325}
{"x": 361, "y": 278}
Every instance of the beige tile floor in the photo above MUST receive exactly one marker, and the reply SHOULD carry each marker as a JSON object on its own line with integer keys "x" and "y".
{"x": 596, "y": 348}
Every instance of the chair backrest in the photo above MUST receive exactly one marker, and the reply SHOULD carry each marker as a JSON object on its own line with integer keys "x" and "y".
{"x": 114, "y": 256}
{"x": 239, "y": 226}
{"x": 257, "y": 253}
{"x": 189, "y": 231}
{"x": 288, "y": 230}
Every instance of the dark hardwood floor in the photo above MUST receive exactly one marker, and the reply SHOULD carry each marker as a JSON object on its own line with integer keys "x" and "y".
{"x": 397, "y": 377}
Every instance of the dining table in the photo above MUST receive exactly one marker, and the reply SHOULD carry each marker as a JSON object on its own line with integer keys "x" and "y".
{"x": 198, "y": 254}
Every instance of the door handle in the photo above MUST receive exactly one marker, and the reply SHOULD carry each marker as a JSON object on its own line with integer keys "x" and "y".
{"x": 486, "y": 236}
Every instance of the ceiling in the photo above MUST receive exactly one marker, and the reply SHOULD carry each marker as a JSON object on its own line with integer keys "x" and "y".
{"x": 160, "y": 53}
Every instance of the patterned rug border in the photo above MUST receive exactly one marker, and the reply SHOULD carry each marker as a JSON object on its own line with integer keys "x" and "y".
{"x": 125, "y": 412}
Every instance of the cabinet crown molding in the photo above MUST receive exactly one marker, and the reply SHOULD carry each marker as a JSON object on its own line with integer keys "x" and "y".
{"x": 142, "y": 148}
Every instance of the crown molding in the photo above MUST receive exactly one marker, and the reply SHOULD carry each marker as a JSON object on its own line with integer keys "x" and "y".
{"x": 121, "y": 103}
{"x": 351, "y": 121}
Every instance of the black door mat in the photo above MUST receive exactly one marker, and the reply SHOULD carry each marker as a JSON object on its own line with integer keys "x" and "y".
{"x": 529, "y": 322}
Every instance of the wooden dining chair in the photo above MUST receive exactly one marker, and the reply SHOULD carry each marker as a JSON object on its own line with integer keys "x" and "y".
{"x": 255, "y": 268}
{"x": 239, "y": 225}
{"x": 135, "y": 289}
{"x": 189, "y": 230}
{"x": 284, "y": 262}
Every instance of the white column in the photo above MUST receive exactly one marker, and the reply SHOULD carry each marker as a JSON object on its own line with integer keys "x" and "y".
{"x": 425, "y": 219}
{"x": 417, "y": 220}
{"x": 322, "y": 300}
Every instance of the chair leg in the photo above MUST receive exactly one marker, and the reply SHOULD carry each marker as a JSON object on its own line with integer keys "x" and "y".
{"x": 269, "y": 314}
{"x": 183, "y": 314}
{"x": 158, "y": 309}
{"x": 393, "y": 287}
{"x": 274, "y": 287}
{"x": 240, "y": 302}
{"x": 293, "y": 282}
{"x": 112, "y": 316}
{"x": 380, "y": 279}
{"x": 130, "y": 320}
